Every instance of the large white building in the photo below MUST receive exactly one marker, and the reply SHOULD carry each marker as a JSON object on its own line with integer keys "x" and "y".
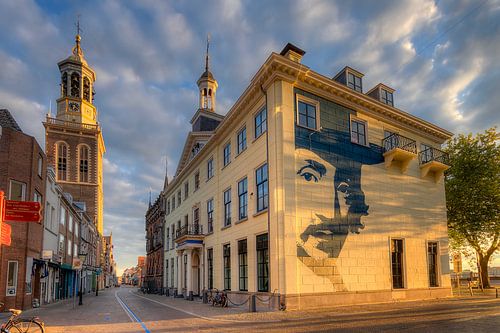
{"x": 310, "y": 189}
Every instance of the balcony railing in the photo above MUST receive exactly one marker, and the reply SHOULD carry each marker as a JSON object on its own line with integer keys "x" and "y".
{"x": 395, "y": 140}
{"x": 75, "y": 125}
{"x": 188, "y": 230}
{"x": 433, "y": 154}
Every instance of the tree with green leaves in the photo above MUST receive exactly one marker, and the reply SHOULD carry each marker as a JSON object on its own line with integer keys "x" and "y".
{"x": 473, "y": 195}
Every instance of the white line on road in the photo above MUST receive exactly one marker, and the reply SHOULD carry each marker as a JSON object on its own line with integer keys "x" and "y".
{"x": 133, "y": 317}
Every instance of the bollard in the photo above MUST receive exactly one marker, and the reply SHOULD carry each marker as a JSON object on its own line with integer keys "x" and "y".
{"x": 496, "y": 291}
{"x": 190, "y": 296}
{"x": 205, "y": 297}
{"x": 252, "y": 306}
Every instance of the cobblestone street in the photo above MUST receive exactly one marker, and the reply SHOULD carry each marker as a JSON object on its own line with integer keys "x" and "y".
{"x": 125, "y": 310}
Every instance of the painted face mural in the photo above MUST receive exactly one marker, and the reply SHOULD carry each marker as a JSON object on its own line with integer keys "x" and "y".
{"x": 327, "y": 157}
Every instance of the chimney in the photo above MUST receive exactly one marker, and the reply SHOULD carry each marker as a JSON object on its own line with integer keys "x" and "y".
{"x": 292, "y": 52}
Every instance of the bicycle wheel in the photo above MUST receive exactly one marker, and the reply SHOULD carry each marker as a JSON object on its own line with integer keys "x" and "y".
{"x": 26, "y": 326}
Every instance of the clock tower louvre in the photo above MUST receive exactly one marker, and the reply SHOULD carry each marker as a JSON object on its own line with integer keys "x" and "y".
{"x": 73, "y": 138}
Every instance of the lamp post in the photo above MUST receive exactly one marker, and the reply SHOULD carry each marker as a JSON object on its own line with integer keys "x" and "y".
{"x": 82, "y": 257}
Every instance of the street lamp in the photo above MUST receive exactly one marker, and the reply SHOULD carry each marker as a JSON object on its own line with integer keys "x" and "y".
{"x": 82, "y": 257}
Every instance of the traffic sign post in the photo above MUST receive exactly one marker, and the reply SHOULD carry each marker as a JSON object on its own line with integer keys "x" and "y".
{"x": 16, "y": 211}
{"x": 22, "y": 211}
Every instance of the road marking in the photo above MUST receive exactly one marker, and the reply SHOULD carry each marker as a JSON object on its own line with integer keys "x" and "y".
{"x": 203, "y": 317}
{"x": 133, "y": 317}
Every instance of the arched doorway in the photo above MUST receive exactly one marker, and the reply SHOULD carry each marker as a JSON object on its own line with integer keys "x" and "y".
{"x": 195, "y": 273}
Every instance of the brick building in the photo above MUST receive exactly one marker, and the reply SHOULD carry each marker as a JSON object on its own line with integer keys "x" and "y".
{"x": 22, "y": 177}
{"x": 153, "y": 276}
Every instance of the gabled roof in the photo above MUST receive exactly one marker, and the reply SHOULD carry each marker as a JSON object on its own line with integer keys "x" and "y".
{"x": 8, "y": 121}
{"x": 192, "y": 138}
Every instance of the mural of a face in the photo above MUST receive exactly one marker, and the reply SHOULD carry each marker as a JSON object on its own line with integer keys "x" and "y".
{"x": 349, "y": 202}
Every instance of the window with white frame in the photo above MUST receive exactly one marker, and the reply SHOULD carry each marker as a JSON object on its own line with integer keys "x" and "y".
{"x": 260, "y": 122}
{"x": 386, "y": 97}
{"x": 186, "y": 190}
{"x": 40, "y": 166}
{"x": 61, "y": 245}
{"x": 227, "y": 207}
{"x": 242, "y": 140}
{"x": 69, "y": 247}
{"x": 17, "y": 191}
{"x": 12, "y": 271}
{"x": 210, "y": 215}
{"x": 354, "y": 82}
{"x": 243, "y": 199}
{"x": 37, "y": 197}
{"x": 262, "y": 188}
{"x": 70, "y": 223}
{"x": 75, "y": 250}
{"x": 227, "y": 153}
{"x": 210, "y": 168}
{"x": 307, "y": 113}
{"x": 358, "y": 132}
{"x": 62, "y": 219}
{"x": 196, "y": 180}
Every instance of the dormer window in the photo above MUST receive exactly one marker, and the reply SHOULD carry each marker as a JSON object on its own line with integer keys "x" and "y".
{"x": 350, "y": 77}
{"x": 382, "y": 93}
{"x": 386, "y": 97}
{"x": 354, "y": 82}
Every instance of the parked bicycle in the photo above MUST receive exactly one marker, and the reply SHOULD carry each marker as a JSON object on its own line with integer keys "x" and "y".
{"x": 220, "y": 298}
{"x": 15, "y": 324}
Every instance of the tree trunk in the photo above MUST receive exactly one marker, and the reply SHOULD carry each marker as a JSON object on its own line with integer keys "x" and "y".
{"x": 483, "y": 263}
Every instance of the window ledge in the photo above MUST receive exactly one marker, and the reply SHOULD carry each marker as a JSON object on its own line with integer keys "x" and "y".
{"x": 362, "y": 145}
{"x": 225, "y": 166}
{"x": 241, "y": 221}
{"x": 241, "y": 152}
{"x": 261, "y": 212}
{"x": 260, "y": 135}
{"x": 226, "y": 227}
{"x": 209, "y": 233}
{"x": 208, "y": 179}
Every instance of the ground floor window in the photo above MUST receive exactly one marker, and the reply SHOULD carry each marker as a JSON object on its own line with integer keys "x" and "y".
{"x": 243, "y": 264}
{"x": 227, "y": 266}
{"x": 172, "y": 272}
{"x": 397, "y": 263}
{"x": 210, "y": 265}
{"x": 432, "y": 252}
{"x": 262, "y": 263}
{"x": 12, "y": 270}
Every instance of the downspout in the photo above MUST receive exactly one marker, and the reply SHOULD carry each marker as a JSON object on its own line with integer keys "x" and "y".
{"x": 269, "y": 202}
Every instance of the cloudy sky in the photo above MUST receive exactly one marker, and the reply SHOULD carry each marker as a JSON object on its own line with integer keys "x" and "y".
{"x": 440, "y": 56}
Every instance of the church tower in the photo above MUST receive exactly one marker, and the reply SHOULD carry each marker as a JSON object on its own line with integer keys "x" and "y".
{"x": 73, "y": 138}
{"x": 206, "y": 119}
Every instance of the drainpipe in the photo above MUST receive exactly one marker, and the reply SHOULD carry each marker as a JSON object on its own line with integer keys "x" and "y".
{"x": 269, "y": 201}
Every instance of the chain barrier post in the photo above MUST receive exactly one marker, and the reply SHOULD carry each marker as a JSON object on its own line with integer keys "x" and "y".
{"x": 205, "y": 296}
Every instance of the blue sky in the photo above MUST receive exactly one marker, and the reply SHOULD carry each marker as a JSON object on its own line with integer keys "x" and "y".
{"x": 440, "y": 56}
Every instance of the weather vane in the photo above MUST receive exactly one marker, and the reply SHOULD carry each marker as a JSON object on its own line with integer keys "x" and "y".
{"x": 78, "y": 30}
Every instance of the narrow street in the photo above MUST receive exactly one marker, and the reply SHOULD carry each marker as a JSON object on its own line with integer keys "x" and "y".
{"x": 125, "y": 310}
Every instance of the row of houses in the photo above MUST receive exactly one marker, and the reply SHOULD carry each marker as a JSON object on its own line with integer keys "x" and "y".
{"x": 67, "y": 252}
{"x": 134, "y": 275}
{"x": 64, "y": 253}
{"x": 309, "y": 191}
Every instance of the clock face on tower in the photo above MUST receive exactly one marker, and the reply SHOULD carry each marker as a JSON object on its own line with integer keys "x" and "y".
{"x": 75, "y": 107}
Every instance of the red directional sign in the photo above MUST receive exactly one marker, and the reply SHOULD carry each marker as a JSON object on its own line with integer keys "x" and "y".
{"x": 22, "y": 211}
{"x": 6, "y": 233}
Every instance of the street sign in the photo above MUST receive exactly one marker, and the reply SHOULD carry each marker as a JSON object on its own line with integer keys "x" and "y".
{"x": 22, "y": 211}
{"x": 6, "y": 233}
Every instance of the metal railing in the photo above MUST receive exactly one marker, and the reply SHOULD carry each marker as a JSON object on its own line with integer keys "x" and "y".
{"x": 395, "y": 140}
{"x": 433, "y": 154}
{"x": 54, "y": 121}
{"x": 191, "y": 229}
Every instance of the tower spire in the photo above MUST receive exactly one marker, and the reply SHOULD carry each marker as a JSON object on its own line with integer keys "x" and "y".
{"x": 165, "y": 184}
{"x": 207, "y": 56}
{"x": 77, "y": 50}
